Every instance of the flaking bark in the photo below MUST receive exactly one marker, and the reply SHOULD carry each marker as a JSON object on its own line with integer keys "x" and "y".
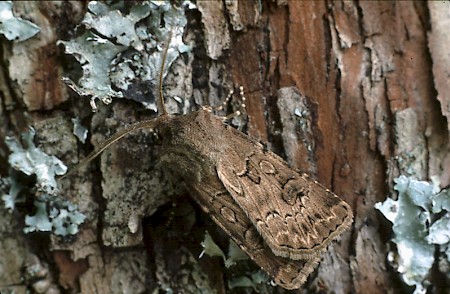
{"x": 370, "y": 76}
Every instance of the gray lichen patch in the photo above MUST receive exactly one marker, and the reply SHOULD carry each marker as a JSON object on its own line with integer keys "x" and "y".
{"x": 121, "y": 54}
{"x": 94, "y": 54}
{"x": 234, "y": 255}
{"x": 79, "y": 130}
{"x": 52, "y": 213}
{"x": 257, "y": 280}
{"x": 12, "y": 187}
{"x": 32, "y": 160}
{"x": 113, "y": 24}
{"x": 421, "y": 223}
{"x": 15, "y": 28}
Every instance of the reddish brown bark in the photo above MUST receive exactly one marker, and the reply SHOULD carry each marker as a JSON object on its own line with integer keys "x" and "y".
{"x": 373, "y": 77}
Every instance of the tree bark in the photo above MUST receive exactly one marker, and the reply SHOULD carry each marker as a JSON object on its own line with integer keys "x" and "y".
{"x": 353, "y": 93}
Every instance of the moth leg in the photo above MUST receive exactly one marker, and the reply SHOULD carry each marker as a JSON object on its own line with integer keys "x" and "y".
{"x": 239, "y": 118}
{"x": 242, "y": 95}
{"x": 223, "y": 106}
{"x": 239, "y": 114}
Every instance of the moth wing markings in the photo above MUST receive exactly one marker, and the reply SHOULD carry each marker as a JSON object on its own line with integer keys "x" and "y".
{"x": 315, "y": 208}
{"x": 260, "y": 203}
{"x": 301, "y": 268}
{"x": 294, "y": 227}
{"x": 288, "y": 273}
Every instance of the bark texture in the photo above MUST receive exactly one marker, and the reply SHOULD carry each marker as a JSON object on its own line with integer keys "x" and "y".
{"x": 364, "y": 99}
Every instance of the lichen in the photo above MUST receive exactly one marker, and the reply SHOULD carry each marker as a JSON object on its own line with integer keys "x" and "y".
{"x": 31, "y": 160}
{"x": 120, "y": 54}
{"x": 254, "y": 281}
{"x": 15, "y": 28}
{"x": 420, "y": 220}
{"x": 52, "y": 213}
{"x": 79, "y": 130}
{"x": 210, "y": 248}
{"x": 14, "y": 187}
{"x": 234, "y": 254}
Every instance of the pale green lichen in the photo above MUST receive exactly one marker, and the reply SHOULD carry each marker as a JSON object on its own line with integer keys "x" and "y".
{"x": 66, "y": 218}
{"x": 210, "y": 248}
{"x": 51, "y": 213}
{"x": 94, "y": 53}
{"x": 113, "y": 24}
{"x": 15, "y": 28}
{"x": 234, "y": 254}
{"x": 40, "y": 221}
{"x": 79, "y": 130}
{"x": 14, "y": 187}
{"x": 257, "y": 281}
{"x": 254, "y": 280}
{"x": 440, "y": 231}
{"x": 31, "y": 160}
{"x": 120, "y": 54}
{"x": 420, "y": 220}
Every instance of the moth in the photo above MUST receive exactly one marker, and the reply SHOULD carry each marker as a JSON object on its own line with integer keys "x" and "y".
{"x": 281, "y": 218}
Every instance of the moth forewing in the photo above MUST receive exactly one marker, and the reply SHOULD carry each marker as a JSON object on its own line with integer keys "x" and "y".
{"x": 296, "y": 216}
{"x": 187, "y": 161}
{"x": 280, "y": 218}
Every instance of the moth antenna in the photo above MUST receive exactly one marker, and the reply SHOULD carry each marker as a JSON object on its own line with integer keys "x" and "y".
{"x": 161, "y": 73}
{"x": 146, "y": 124}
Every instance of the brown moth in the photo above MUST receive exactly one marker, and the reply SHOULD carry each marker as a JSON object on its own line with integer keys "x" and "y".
{"x": 282, "y": 219}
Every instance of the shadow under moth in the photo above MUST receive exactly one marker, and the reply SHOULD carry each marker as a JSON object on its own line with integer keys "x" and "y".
{"x": 281, "y": 218}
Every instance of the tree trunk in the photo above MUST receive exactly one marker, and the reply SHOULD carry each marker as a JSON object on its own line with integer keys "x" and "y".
{"x": 352, "y": 93}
